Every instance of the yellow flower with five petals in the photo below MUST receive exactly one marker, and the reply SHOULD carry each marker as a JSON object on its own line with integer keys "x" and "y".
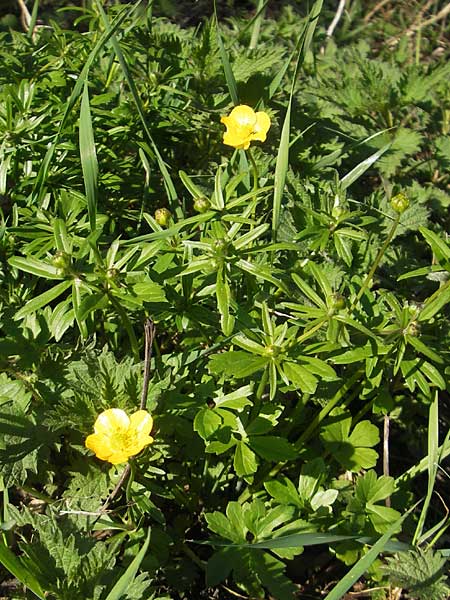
{"x": 244, "y": 125}
{"x": 118, "y": 436}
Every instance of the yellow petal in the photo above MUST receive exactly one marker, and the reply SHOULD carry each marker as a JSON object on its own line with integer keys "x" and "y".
{"x": 118, "y": 458}
{"x": 111, "y": 421}
{"x": 141, "y": 422}
{"x": 262, "y": 126}
{"x": 100, "y": 445}
{"x": 236, "y": 139}
{"x": 243, "y": 116}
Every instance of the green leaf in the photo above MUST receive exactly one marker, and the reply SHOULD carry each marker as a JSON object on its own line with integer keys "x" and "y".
{"x": 273, "y": 448}
{"x": 229, "y": 77}
{"x": 244, "y": 460}
{"x": 438, "y": 245}
{"x": 362, "y": 167}
{"x": 16, "y": 567}
{"x": 236, "y": 364}
{"x": 120, "y": 588}
{"x": 206, "y": 423}
{"x": 300, "y": 377}
{"x": 370, "y": 488}
{"x": 362, "y": 566}
{"x": 435, "y": 303}
{"x": 283, "y": 491}
{"x": 35, "y": 267}
{"x": 43, "y": 299}
{"x": 88, "y": 156}
{"x": 149, "y": 291}
{"x": 353, "y": 450}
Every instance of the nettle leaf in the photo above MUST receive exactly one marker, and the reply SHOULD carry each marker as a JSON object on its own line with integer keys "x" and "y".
{"x": 236, "y": 364}
{"x": 353, "y": 451}
{"x": 421, "y": 572}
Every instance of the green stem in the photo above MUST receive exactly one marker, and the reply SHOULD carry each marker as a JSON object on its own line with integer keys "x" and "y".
{"x": 259, "y": 394}
{"x": 306, "y": 435}
{"x": 255, "y": 183}
{"x": 374, "y": 267}
{"x": 130, "y": 480}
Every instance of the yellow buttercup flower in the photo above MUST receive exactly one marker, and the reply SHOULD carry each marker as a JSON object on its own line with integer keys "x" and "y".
{"x": 244, "y": 125}
{"x": 118, "y": 436}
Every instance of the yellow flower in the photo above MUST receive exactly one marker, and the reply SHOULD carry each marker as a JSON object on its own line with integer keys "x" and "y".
{"x": 118, "y": 436}
{"x": 244, "y": 125}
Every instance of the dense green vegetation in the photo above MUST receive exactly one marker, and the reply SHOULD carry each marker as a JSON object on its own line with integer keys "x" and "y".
{"x": 281, "y": 311}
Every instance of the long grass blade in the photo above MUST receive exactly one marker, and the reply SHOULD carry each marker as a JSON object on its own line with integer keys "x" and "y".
{"x": 282, "y": 162}
{"x": 15, "y": 566}
{"x": 362, "y": 167}
{"x": 39, "y": 188}
{"x": 88, "y": 156}
{"x": 229, "y": 76}
{"x": 168, "y": 183}
{"x": 433, "y": 457}
{"x": 119, "y": 590}
{"x": 364, "y": 563}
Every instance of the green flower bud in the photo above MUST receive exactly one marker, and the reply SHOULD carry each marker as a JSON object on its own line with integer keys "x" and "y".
{"x": 202, "y": 204}
{"x": 61, "y": 260}
{"x": 272, "y": 351}
{"x": 399, "y": 203}
{"x": 413, "y": 329}
{"x": 163, "y": 217}
{"x": 112, "y": 273}
{"x": 338, "y": 301}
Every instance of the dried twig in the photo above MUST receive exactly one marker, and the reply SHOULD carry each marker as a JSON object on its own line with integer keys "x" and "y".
{"x": 337, "y": 18}
{"x": 375, "y": 9}
{"x": 421, "y": 24}
{"x": 25, "y": 16}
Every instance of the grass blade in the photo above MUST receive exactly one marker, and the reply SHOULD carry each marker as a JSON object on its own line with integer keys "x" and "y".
{"x": 282, "y": 162}
{"x": 433, "y": 458}
{"x": 88, "y": 156}
{"x": 364, "y": 563}
{"x": 362, "y": 167}
{"x": 229, "y": 76}
{"x": 127, "y": 578}
{"x": 14, "y": 565}
{"x": 257, "y": 24}
{"x": 41, "y": 178}
{"x": 168, "y": 183}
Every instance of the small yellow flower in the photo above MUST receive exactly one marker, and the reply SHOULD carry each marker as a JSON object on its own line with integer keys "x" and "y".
{"x": 244, "y": 125}
{"x": 118, "y": 436}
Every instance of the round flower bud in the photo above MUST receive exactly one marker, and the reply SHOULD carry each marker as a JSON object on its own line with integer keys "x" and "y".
{"x": 201, "y": 204}
{"x": 163, "y": 216}
{"x": 413, "y": 329}
{"x": 61, "y": 260}
{"x": 399, "y": 203}
{"x": 338, "y": 301}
